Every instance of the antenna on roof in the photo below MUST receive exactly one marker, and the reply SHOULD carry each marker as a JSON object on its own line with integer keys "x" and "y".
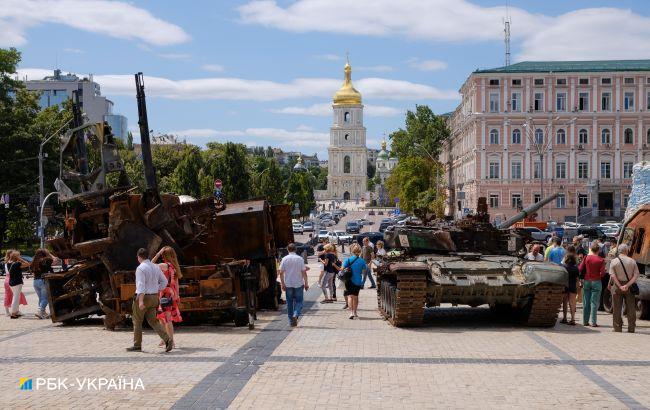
{"x": 506, "y": 30}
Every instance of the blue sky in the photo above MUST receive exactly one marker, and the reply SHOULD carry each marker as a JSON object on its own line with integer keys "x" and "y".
{"x": 264, "y": 72}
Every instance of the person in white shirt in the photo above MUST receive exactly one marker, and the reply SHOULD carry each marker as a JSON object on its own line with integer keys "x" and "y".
{"x": 293, "y": 278}
{"x": 623, "y": 272}
{"x": 149, "y": 281}
{"x": 535, "y": 254}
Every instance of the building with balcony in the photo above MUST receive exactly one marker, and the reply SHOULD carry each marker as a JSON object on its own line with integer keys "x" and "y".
{"x": 589, "y": 120}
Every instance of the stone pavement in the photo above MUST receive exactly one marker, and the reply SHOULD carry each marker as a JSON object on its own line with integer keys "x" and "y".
{"x": 461, "y": 358}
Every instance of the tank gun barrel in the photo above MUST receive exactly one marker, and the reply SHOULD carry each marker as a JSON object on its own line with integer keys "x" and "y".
{"x": 526, "y": 211}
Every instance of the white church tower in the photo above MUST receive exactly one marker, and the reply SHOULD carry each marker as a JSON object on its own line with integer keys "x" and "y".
{"x": 348, "y": 156}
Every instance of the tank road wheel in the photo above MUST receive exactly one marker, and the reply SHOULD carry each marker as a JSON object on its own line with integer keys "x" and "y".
{"x": 642, "y": 309}
{"x": 607, "y": 300}
{"x": 383, "y": 298}
{"x": 547, "y": 300}
{"x": 408, "y": 300}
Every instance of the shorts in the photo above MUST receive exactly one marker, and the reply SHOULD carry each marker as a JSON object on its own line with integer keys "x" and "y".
{"x": 352, "y": 289}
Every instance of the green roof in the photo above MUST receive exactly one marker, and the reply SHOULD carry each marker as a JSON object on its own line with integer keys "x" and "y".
{"x": 571, "y": 66}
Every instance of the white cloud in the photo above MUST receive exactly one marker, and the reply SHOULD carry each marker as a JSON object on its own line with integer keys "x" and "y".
{"x": 113, "y": 18}
{"x": 325, "y": 110}
{"x": 215, "y": 68}
{"x": 330, "y": 57}
{"x": 376, "y": 68}
{"x": 175, "y": 56}
{"x": 590, "y": 33}
{"x": 427, "y": 65}
{"x": 228, "y": 88}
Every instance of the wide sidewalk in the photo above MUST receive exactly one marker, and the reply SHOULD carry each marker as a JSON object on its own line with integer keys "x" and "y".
{"x": 461, "y": 358}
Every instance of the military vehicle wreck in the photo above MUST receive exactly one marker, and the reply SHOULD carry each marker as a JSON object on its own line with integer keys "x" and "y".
{"x": 467, "y": 262}
{"x": 227, "y": 252}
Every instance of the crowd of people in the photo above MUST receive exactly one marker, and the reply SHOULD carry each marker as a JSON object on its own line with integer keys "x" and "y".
{"x": 591, "y": 266}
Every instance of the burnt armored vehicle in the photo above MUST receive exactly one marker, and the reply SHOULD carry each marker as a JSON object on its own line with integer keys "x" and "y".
{"x": 226, "y": 251}
{"x": 467, "y": 262}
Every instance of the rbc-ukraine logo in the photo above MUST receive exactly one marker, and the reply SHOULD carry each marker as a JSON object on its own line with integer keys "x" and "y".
{"x": 25, "y": 383}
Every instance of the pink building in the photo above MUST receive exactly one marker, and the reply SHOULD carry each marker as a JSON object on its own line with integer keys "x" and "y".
{"x": 590, "y": 119}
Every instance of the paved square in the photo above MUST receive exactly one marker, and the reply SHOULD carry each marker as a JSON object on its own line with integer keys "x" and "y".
{"x": 461, "y": 358}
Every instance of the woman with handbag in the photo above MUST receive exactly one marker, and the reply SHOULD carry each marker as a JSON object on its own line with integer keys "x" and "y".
{"x": 352, "y": 275}
{"x": 592, "y": 270}
{"x": 168, "y": 311}
{"x": 623, "y": 273}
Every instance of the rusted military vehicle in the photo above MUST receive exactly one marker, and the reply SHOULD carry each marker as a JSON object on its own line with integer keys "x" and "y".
{"x": 227, "y": 252}
{"x": 467, "y": 262}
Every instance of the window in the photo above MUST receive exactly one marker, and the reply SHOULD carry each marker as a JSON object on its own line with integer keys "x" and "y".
{"x": 606, "y": 81}
{"x": 628, "y": 136}
{"x": 560, "y": 136}
{"x": 605, "y": 136}
{"x": 583, "y": 136}
{"x": 494, "y": 170}
{"x": 605, "y": 170}
{"x": 516, "y": 81}
{"x": 560, "y": 81}
{"x": 537, "y": 198}
{"x": 539, "y": 136}
{"x": 583, "y": 81}
{"x": 494, "y": 102}
{"x": 516, "y": 136}
{"x": 494, "y": 136}
{"x": 560, "y": 170}
{"x": 583, "y": 170}
{"x": 539, "y": 102}
{"x": 627, "y": 169}
{"x": 515, "y": 170}
{"x": 537, "y": 170}
{"x": 346, "y": 164}
{"x": 647, "y": 137}
{"x": 647, "y": 103}
{"x": 626, "y": 200}
{"x": 494, "y": 82}
{"x": 560, "y": 201}
{"x": 583, "y": 101}
{"x": 346, "y": 117}
{"x": 583, "y": 201}
{"x": 539, "y": 81}
{"x": 346, "y": 136}
{"x": 515, "y": 201}
{"x": 494, "y": 200}
{"x": 628, "y": 101}
{"x": 515, "y": 104}
{"x": 628, "y": 80}
{"x": 606, "y": 101}
{"x": 560, "y": 102}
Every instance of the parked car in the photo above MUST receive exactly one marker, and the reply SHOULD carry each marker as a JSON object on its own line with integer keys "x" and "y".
{"x": 537, "y": 233}
{"x": 338, "y": 237}
{"x": 364, "y": 222}
{"x": 322, "y": 234}
{"x": 589, "y": 232}
{"x": 385, "y": 223}
{"x": 297, "y": 228}
{"x": 571, "y": 225}
{"x": 352, "y": 227}
{"x": 372, "y": 236}
{"x": 327, "y": 222}
{"x": 308, "y": 226}
{"x": 339, "y": 212}
{"x": 612, "y": 233}
{"x": 300, "y": 248}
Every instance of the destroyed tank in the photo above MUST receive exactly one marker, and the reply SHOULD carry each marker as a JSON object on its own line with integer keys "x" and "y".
{"x": 467, "y": 262}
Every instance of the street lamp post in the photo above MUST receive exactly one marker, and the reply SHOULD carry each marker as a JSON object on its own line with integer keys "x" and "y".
{"x": 41, "y": 222}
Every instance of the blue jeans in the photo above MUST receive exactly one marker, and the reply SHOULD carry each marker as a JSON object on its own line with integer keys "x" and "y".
{"x": 41, "y": 292}
{"x": 368, "y": 274}
{"x": 294, "y": 301}
{"x": 591, "y": 300}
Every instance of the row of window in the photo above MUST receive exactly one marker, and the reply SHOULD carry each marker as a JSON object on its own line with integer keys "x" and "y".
{"x": 515, "y": 104}
{"x": 516, "y": 82}
{"x": 560, "y": 136}
{"x": 560, "y": 201}
{"x": 494, "y": 170}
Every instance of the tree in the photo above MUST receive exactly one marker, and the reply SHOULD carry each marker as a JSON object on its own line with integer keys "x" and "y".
{"x": 269, "y": 183}
{"x": 129, "y": 141}
{"x": 229, "y": 163}
{"x": 185, "y": 179}
{"x": 371, "y": 170}
{"x": 300, "y": 190}
{"x": 320, "y": 177}
{"x": 424, "y": 133}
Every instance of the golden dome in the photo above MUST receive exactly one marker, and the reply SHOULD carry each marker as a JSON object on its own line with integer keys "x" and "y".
{"x": 347, "y": 94}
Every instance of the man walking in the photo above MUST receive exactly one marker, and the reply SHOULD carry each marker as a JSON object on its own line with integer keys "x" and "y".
{"x": 149, "y": 281}
{"x": 293, "y": 277}
{"x": 623, "y": 271}
{"x": 368, "y": 254}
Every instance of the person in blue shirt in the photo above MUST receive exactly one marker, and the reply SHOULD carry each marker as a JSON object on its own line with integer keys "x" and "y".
{"x": 556, "y": 255}
{"x": 352, "y": 287}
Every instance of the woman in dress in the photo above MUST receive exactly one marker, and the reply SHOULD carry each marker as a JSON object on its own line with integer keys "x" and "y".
{"x": 8, "y": 292}
{"x": 15, "y": 273}
{"x": 169, "y": 313}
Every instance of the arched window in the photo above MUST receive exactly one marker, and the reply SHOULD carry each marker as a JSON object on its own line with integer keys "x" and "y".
{"x": 346, "y": 136}
{"x": 560, "y": 136}
{"x": 494, "y": 136}
{"x": 346, "y": 116}
{"x": 539, "y": 136}
{"x": 628, "y": 136}
{"x": 516, "y": 136}
{"x": 605, "y": 136}
{"x": 346, "y": 164}
{"x": 583, "y": 136}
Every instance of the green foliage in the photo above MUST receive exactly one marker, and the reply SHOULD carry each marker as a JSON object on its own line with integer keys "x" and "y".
{"x": 229, "y": 163}
{"x": 268, "y": 182}
{"x": 20, "y": 226}
{"x": 185, "y": 178}
{"x": 371, "y": 170}
{"x": 129, "y": 141}
{"x": 300, "y": 190}
{"x": 320, "y": 177}
{"x": 424, "y": 133}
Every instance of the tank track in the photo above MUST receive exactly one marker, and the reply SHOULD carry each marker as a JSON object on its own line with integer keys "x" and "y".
{"x": 546, "y": 304}
{"x": 403, "y": 304}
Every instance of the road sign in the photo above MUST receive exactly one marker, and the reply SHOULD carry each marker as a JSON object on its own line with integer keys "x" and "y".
{"x": 396, "y": 200}
{"x": 217, "y": 183}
